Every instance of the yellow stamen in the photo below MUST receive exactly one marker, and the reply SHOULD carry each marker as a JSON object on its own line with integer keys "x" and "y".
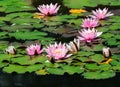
{"x": 57, "y": 51}
{"x": 77, "y": 11}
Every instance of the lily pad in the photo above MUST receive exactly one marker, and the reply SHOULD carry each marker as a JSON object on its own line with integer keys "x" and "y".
{"x": 22, "y": 69}
{"x": 26, "y": 60}
{"x": 99, "y": 74}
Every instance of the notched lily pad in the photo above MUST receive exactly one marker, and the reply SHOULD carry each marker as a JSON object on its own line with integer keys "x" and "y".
{"x": 26, "y": 60}
{"x": 22, "y": 69}
{"x": 99, "y": 74}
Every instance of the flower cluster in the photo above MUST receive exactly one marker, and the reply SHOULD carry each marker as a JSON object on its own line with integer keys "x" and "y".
{"x": 89, "y": 33}
{"x": 58, "y": 51}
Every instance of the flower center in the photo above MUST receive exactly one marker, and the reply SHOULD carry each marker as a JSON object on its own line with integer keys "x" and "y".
{"x": 57, "y": 51}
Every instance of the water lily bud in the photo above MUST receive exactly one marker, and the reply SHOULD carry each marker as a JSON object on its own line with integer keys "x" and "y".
{"x": 10, "y": 50}
{"x": 106, "y": 52}
{"x": 74, "y": 45}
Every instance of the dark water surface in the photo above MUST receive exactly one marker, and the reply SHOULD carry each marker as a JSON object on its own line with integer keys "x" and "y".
{"x": 32, "y": 80}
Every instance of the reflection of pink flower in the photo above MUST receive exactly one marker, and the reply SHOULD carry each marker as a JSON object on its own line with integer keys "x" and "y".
{"x": 48, "y": 10}
{"x": 34, "y": 50}
{"x": 101, "y": 14}
{"x": 57, "y": 51}
{"x": 89, "y": 23}
{"x": 88, "y": 35}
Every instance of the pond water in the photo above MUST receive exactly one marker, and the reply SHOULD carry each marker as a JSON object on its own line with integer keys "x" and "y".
{"x": 25, "y": 31}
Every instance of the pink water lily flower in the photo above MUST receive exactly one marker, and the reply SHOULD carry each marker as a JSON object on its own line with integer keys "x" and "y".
{"x": 101, "y": 13}
{"x": 90, "y": 23}
{"x": 57, "y": 51}
{"x": 34, "y": 49}
{"x": 88, "y": 35}
{"x": 48, "y": 10}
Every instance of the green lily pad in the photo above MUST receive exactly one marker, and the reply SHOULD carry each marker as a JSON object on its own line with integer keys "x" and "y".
{"x": 99, "y": 74}
{"x": 22, "y": 69}
{"x": 97, "y": 58}
{"x": 72, "y": 69}
{"x": 26, "y": 60}
{"x": 6, "y": 57}
{"x": 86, "y": 54}
{"x": 96, "y": 47}
{"x": 27, "y": 35}
{"x": 41, "y": 72}
{"x": 56, "y": 71}
{"x": 105, "y": 67}
{"x": 92, "y": 67}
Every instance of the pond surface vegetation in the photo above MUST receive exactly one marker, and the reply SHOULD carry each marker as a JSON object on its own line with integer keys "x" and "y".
{"x": 23, "y": 26}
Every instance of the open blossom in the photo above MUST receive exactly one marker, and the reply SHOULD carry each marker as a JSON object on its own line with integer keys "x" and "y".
{"x": 34, "y": 50}
{"x": 48, "y": 10}
{"x": 101, "y": 14}
{"x": 89, "y": 23}
{"x": 57, "y": 51}
{"x": 74, "y": 45}
{"x": 10, "y": 50}
{"x": 88, "y": 35}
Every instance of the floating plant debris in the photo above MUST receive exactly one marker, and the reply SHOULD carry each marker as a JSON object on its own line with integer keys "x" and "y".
{"x": 43, "y": 40}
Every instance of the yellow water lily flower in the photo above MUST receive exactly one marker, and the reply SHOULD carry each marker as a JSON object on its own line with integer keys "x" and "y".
{"x": 77, "y": 11}
{"x": 107, "y": 61}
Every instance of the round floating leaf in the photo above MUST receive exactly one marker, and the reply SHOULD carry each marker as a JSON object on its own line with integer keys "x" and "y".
{"x": 97, "y": 58}
{"x": 5, "y": 57}
{"x": 85, "y": 53}
{"x": 17, "y": 28}
{"x": 105, "y": 67}
{"x": 26, "y": 60}
{"x": 92, "y": 67}
{"x": 99, "y": 74}
{"x": 97, "y": 47}
{"x": 2, "y": 34}
{"x": 20, "y": 14}
{"x": 22, "y": 69}
{"x": 77, "y": 3}
{"x": 41, "y": 72}
{"x": 112, "y": 42}
{"x": 72, "y": 69}
{"x": 3, "y": 64}
{"x": 27, "y": 35}
{"x": 107, "y": 35}
{"x": 116, "y": 67}
{"x": 56, "y": 71}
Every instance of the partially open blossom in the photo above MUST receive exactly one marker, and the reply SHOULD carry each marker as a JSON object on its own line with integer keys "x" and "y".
{"x": 34, "y": 50}
{"x": 101, "y": 13}
{"x": 48, "y": 10}
{"x": 10, "y": 50}
{"x": 77, "y": 11}
{"x": 106, "y": 52}
{"x": 88, "y": 35}
{"x": 89, "y": 23}
{"x": 74, "y": 45}
{"x": 57, "y": 51}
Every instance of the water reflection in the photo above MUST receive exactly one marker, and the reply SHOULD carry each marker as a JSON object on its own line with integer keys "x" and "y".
{"x": 32, "y": 80}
